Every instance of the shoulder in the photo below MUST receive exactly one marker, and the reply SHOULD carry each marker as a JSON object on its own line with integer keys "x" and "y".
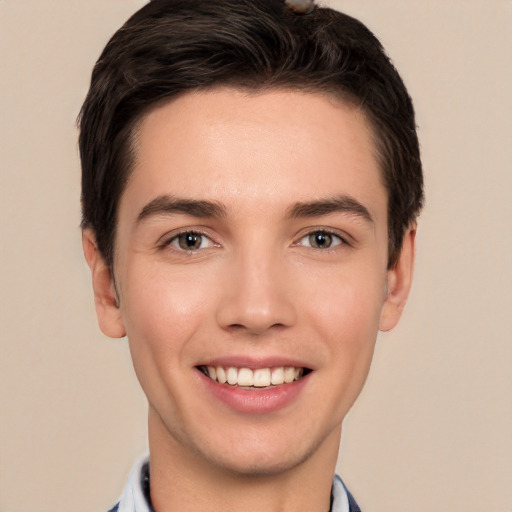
{"x": 114, "y": 509}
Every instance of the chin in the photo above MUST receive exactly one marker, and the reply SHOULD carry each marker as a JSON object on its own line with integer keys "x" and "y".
{"x": 260, "y": 466}
{"x": 262, "y": 459}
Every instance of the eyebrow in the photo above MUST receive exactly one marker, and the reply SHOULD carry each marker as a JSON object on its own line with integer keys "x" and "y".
{"x": 170, "y": 204}
{"x": 344, "y": 204}
{"x": 202, "y": 208}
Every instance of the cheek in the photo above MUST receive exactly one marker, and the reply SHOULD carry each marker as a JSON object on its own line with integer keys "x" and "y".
{"x": 348, "y": 309}
{"x": 162, "y": 311}
{"x": 349, "y": 330}
{"x": 347, "y": 320}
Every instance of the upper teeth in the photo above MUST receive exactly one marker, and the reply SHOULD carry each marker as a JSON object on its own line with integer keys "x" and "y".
{"x": 260, "y": 377}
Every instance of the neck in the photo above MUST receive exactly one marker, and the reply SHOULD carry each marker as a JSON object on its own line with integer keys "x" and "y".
{"x": 181, "y": 479}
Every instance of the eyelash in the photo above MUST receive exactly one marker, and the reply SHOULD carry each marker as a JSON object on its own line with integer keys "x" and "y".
{"x": 174, "y": 241}
{"x": 336, "y": 239}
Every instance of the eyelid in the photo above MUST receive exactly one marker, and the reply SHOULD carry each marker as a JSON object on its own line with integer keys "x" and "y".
{"x": 344, "y": 238}
{"x": 167, "y": 239}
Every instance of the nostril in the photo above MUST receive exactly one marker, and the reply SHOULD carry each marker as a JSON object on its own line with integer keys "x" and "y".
{"x": 254, "y": 328}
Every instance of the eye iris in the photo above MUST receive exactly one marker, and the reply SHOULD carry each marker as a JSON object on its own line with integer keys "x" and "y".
{"x": 320, "y": 240}
{"x": 189, "y": 241}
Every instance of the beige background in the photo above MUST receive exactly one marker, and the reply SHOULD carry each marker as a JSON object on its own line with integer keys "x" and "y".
{"x": 432, "y": 430}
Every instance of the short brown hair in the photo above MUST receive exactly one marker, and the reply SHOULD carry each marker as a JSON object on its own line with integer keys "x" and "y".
{"x": 173, "y": 46}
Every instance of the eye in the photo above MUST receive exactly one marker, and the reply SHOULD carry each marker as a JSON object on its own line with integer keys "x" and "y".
{"x": 191, "y": 241}
{"x": 321, "y": 240}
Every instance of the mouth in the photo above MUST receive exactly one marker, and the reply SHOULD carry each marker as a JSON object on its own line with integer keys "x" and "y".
{"x": 256, "y": 378}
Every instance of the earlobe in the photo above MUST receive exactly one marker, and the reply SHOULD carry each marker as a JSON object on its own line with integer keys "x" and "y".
{"x": 105, "y": 296}
{"x": 399, "y": 283}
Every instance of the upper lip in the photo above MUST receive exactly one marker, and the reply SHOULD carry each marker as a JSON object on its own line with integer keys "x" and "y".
{"x": 239, "y": 361}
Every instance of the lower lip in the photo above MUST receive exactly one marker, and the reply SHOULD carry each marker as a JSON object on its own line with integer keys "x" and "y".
{"x": 255, "y": 401}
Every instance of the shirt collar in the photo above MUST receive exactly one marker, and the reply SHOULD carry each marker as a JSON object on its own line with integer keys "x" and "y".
{"x": 134, "y": 498}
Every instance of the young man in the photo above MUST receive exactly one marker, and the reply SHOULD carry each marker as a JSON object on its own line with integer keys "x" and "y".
{"x": 251, "y": 180}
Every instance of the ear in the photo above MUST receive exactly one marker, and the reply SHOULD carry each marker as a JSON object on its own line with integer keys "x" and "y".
{"x": 105, "y": 295}
{"x": 399, "y": 283}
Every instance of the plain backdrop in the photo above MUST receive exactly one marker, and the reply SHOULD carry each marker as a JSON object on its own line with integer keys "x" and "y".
{"x": 432, "y": 429}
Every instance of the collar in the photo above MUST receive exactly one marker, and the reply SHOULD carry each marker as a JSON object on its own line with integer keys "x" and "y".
{"x": 136, "y": 494}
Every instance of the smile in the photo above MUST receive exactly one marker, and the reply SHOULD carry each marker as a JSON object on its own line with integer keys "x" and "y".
{"x": 254, "y": 378}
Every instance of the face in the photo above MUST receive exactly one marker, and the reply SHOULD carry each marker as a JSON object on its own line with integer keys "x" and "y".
{"x": 251, "y": 247}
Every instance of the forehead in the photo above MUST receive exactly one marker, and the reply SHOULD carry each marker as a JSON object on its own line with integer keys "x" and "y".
{"x": 233, "y": 146}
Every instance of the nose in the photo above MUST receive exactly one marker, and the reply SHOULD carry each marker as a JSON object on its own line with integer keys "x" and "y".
{"x": 257, "y": 296}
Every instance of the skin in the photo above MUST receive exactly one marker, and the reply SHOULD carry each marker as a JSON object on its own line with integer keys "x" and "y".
{"x": 256, "y": 287}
